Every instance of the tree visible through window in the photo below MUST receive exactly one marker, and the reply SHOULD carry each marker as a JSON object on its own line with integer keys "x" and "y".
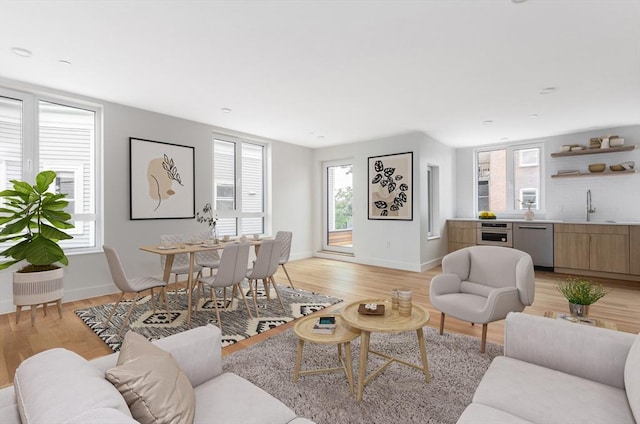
{"x": 344, "y": 208}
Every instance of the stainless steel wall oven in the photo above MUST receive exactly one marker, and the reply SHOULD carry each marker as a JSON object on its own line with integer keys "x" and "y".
{"x": 495, "y": 233}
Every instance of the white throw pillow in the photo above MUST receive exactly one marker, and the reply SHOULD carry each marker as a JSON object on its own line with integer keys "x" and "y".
{"x": 57, "y": 385}
{"x": 155, "y": 388}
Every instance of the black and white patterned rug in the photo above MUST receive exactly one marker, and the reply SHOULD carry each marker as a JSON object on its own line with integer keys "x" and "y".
{"x": 236, "y": 323}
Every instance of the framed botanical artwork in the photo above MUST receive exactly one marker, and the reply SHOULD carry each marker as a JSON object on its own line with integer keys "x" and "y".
{"x": 162, "y": 178}
{"x": 390, "y": 194}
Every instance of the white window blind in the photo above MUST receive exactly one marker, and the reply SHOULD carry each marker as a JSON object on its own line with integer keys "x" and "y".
{"x": 239, "y": 202}
{"x": 59, "y": 137}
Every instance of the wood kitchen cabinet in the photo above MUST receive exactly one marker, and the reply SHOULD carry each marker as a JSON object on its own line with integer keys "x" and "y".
{"x": 570, "y": 249}
{"x": 603, "y": 248}
{"x": 461, "y": 234}
{"x": 634, "y": 249}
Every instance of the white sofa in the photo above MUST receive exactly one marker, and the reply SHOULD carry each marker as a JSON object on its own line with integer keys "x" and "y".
{"x": 554, "y": 371}
{"x": 49, "y": 391}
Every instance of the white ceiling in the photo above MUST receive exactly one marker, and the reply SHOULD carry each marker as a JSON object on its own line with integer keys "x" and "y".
{"x": 318, "y": 73}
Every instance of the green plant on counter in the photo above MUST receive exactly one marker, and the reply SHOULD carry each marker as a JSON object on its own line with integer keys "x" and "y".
{"x": 581, "y": 292}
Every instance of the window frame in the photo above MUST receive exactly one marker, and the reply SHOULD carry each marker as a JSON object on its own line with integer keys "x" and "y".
{"x": 236, "y": 213}
{"x": 522, "y": 197}
{"x": 327, "y": 206}
{"x": 433, "y": 201}
{"x": 30, "y": 161}
{"x": 524, "y": 164}
{"x": 510, "y": 165}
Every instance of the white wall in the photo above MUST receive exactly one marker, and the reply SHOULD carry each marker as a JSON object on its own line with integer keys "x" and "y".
{"x": 87, "y": 274}
{"x": 408, "y": 248}
{"x": 295, "y": 184}
{"x": 615, "y": 197}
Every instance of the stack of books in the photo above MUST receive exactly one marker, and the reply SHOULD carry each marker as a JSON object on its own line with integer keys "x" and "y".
{"x": 325, "y": 325}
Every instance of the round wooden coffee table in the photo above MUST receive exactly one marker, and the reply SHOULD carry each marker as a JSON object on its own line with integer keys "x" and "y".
{"x": 341, "y": 337}
{"x": 390, "y": 322}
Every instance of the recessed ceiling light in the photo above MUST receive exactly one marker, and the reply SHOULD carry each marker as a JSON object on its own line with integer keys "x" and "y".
{"x": 518, "y": 1}
{"x": 320, "y": 137}
{"x": 547, "y": 90}
{"x": 487, "y": 122}
{"x": 534, "y": 115}
{"x": 226, "y": 109}
{"x": 21, "y": 52}
{"x": 504, "y": 139}
{"x": 64, "y": 62}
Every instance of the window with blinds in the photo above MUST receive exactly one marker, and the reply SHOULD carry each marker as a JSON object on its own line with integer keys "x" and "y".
{"x": 59, "y": 137}
{"x": 239, "y": 193}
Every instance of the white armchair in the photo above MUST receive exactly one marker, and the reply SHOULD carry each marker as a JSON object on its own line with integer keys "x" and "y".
{"x": 482, "y": 284}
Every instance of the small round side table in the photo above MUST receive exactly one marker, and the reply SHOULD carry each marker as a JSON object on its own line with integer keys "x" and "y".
{"x": 341, "y": 337}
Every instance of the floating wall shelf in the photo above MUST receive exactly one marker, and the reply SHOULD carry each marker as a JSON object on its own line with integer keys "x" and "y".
{"x": 593, "y": 151}
{"x": 595, "y": 174}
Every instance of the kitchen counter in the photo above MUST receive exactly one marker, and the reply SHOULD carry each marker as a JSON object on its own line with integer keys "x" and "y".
{"x": 549, "y": 221}
{"x": 603, "y": 249}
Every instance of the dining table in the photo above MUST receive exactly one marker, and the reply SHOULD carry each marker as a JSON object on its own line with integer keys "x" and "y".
{"x": 191, "y": 248}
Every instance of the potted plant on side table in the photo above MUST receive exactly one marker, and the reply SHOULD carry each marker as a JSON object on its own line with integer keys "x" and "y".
{"x": 33, "y": 220}
{"x": 580, "y": 294}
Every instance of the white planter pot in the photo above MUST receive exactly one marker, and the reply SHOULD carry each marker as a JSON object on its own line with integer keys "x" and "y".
{"x": 34, "y": 288}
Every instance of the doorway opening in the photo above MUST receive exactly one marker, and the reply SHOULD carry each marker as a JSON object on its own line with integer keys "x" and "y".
{"x": 338, "y": 216}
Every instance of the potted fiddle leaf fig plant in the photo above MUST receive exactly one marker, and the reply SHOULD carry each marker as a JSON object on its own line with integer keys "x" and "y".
{"x": 580, "y": 293}
{"x": 33, "y": 220}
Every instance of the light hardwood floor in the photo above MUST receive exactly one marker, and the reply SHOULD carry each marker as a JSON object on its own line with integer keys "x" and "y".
{"x": 350, "y": 282}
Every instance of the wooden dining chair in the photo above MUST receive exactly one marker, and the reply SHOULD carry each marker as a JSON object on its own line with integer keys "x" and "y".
{"x": 231, "y": 271}
{"x": 131, "y": 285}
{"x": 264, "y": 267}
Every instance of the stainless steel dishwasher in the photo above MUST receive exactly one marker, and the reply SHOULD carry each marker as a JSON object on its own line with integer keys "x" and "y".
{"x": 535, "y": 238}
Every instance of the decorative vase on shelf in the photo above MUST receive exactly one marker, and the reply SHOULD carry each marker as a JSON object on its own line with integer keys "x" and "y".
{"x": 528, "y": 215}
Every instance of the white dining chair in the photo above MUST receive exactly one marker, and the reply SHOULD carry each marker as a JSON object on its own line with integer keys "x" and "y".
{"x": 285, "y": 237}
{"x": 131, "y": 285}
{"x": 264, "y": 267}
{"x": 231, "y": 272}
{"x": 209, "y": 259}
{"x": 180, "y": 264}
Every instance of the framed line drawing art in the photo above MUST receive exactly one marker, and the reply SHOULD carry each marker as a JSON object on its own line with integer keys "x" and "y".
{"x": 390, "y": 188}
{"x": 162, "y": 179}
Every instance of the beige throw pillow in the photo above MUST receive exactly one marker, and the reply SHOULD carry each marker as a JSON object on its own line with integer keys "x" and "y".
{"x": 154, "y": 387}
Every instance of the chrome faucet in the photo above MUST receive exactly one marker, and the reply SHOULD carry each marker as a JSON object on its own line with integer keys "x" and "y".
{"x": 590, "y": 208}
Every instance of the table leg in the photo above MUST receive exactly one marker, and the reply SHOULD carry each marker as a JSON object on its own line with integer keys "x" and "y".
{"x": 362, "y": 365}
{"x": 296, "y": 369}
{"x": 168, "y": 264}
{"x": 166, "y": 276}
{"x": 192, "y": 260}
{"x": 349, "y": 370}
{"x": 423, "y": 354}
